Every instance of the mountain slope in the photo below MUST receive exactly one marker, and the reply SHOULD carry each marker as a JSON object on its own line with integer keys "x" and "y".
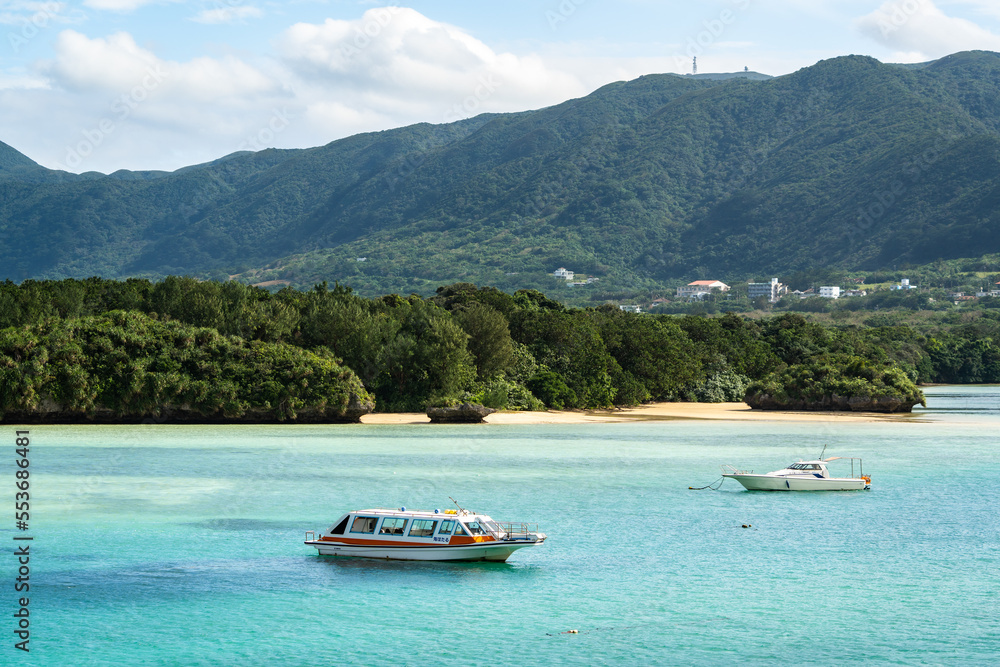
{"x": 848, "y": 163}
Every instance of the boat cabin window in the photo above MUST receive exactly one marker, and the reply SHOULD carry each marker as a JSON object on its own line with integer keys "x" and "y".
{"x": 446, "y": 527}
{"x": 392, "y": 527}
{"x": 460, "y": 529}
{"x": 804, "y": 466}
{"x": 364, "y": 524}
{"x": 422, "y": 528}
{"x": 475, "y": 528}
{"x": 341, "y": 527}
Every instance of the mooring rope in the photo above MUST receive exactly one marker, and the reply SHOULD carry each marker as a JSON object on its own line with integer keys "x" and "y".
{"x": 709, "y": 486}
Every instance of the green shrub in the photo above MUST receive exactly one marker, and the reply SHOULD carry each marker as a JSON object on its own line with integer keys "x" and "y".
{"x": 552, "y": 390}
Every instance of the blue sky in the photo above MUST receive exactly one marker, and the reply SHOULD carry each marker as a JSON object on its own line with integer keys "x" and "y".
{"x": 160, "y": 84}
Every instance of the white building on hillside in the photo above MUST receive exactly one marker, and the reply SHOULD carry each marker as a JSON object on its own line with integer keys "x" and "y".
{"x": 829, "y": 292}
{"x": 772, "y": 290}
{"x": 563, "y": 273}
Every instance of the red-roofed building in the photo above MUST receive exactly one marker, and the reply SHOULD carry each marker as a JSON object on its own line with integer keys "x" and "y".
{"x": 700, "y": 288}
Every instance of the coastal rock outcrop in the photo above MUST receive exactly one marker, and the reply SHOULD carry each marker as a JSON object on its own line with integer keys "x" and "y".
{"x": 465, "y": 413}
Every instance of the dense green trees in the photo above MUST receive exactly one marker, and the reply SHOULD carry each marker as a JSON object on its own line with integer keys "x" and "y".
{"x": 836, "y": 382}
{"x": 654, "y": 359}
{"x": 407, "y": 351}
{"x": 225, "y": 349}
{"x": 126, "y": 365}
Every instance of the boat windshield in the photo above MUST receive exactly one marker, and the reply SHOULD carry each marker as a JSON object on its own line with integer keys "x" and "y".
{"x": 804, "y": 466}
{"x": 475, "y": 528}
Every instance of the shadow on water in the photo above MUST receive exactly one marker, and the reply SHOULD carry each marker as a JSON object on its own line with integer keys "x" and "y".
{"x": 377, "y": 567}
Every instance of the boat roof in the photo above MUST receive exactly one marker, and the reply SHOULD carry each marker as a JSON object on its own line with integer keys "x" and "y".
{"x": 402, "y": 511}
{"x": 827, "y": 460}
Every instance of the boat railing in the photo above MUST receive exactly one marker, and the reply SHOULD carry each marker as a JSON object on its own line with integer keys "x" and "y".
{"x": 310, "y": 536}
{"x": 512, "y": 530}
{"x": 733, "y": 470}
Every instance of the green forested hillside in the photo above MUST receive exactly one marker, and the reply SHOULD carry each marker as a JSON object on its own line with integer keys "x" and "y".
{"x": 850, "y": 163}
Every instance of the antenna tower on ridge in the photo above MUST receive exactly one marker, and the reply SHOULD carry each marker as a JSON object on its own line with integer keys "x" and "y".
{"x": 694, "y": 65}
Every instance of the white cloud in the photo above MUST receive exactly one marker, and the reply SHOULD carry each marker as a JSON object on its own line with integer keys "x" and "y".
{"x": 34, "y": 16}
{"x": 21, "y": 81}
{"x": 109, "y": 103}
{"x": 117, "y": 5}
{"x": 116, "y": 64}
{"x": 83, "y": 64}
{"x": 396, "y": 63}
{"x": 227, "y": 14}
{"x": 918, "y": 30}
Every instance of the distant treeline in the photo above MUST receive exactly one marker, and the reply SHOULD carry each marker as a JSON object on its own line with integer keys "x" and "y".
{"x": 515, "y": 351}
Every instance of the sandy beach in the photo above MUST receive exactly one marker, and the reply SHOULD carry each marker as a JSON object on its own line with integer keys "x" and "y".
{"x": 655, "y": 411}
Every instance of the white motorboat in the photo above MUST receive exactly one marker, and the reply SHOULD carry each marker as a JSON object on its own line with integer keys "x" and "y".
{"x": 802, "y": 476}
{"x": 402, "y": 534}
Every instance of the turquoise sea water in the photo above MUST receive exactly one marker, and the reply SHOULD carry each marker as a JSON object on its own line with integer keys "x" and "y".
{"x": 166, "y": 545}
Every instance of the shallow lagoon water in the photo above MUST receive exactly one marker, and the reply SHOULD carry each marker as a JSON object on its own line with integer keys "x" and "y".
{"x": 166, "y": 545}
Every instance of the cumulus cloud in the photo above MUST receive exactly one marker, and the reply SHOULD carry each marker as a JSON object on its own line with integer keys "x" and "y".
{"x": 110, "y": 103}
{"x": 116, "y": 63}
{"x": 110, "y": 63}
{"x": 21, "y": 81}
{"x": 117, "y": 5}
{"x": 919, "y": 30}
{"x": 395, "y": 62}
{"x": 232, "y": 14}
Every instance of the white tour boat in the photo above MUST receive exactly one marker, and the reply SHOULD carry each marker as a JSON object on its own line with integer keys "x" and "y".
{"x": 802, "y": 476}
{"x": 402, "y": 534}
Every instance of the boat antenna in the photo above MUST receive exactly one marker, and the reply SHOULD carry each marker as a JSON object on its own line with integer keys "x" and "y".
{"x": 822, "y": 452}
{"x": 456, "y": 503}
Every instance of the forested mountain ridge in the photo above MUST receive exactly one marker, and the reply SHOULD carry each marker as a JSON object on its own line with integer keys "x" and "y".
{"x": 849, "y": 163}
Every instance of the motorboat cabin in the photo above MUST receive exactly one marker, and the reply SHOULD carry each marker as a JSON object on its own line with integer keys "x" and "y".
{"x": 402, "y": 534}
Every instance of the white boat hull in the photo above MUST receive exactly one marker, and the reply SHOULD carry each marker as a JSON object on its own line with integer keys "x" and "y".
{"x": 794, "y": 483}
{"x": 481, "y": 551}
